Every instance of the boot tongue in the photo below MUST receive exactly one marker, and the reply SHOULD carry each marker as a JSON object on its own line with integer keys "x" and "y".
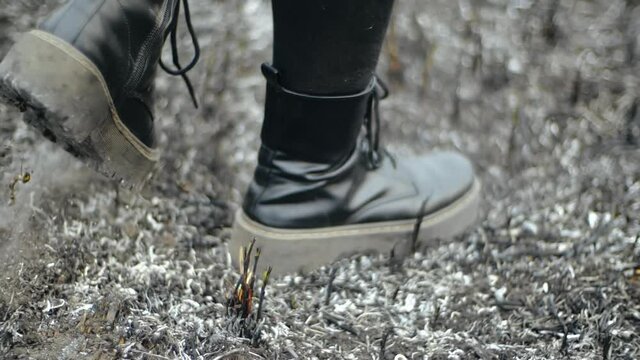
{"x": 312, "y": 128}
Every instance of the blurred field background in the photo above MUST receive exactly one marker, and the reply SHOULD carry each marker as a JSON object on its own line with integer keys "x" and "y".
{"x": 542, "y": 95}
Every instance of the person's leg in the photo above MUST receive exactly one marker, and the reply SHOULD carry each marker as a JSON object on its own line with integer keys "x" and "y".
{"x": 328, "y": 47}
{"x": 320, "y": 193}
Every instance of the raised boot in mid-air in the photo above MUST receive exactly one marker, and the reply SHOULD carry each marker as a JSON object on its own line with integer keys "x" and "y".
{"x": 85, "y": 80}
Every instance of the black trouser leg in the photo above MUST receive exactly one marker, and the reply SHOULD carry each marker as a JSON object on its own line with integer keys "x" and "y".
{"x": 328, "y": 47}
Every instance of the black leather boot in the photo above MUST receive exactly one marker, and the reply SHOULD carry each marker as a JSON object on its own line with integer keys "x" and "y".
{"x": 321, "y": 191}
{"x": 85, "y": 80}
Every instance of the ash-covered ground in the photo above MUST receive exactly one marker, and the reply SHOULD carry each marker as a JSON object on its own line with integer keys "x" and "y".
{"x": 543, "y": 95}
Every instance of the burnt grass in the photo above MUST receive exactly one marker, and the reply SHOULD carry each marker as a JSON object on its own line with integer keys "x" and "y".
{"x": 542, "y": 95}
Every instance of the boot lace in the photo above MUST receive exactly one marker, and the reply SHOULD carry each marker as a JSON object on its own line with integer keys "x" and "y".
{"x": 374, "y": 153}
{"x": 173, "y": 35}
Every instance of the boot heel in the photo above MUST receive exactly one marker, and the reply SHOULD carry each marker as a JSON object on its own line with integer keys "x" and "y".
{"x": 65, "y": 97}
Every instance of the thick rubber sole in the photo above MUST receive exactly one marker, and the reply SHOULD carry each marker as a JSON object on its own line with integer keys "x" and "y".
{"x": 291, "y": 250}
{"x": 64, "y": 96}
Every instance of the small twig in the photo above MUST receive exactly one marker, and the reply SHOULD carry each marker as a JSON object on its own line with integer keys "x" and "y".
{"x": 395, "y": 293}
{"x": 383, "y": 343}
{"x": 6, "y": 314}
{"x": 513, "y": 137}
{"x": 606, "y": 347}
{"x": 263, "y": 292}
{"x": 635, "y": 246}
{"x": 575, "y": 89}
{"x": 332, "y": 278}
{"x": 564, "y": 348}
{"x": 416, "y": 227}
{"x": 247, "y": 257}
{"x": 333, "y": 320}
{"x": 255, "y": 338}
{"x": 256, "y": 258}
{"x": 116, "y": 201}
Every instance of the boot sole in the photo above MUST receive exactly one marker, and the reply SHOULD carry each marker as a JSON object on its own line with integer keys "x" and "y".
{"x": 64, "y": 96}
{"x": 291, "y": 250}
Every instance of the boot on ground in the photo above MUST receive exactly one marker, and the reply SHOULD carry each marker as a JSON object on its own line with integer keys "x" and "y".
{"x": 325, "y": 189}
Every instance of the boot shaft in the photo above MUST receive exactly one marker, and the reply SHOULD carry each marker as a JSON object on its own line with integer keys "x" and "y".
{"x": 309, "y": 127}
